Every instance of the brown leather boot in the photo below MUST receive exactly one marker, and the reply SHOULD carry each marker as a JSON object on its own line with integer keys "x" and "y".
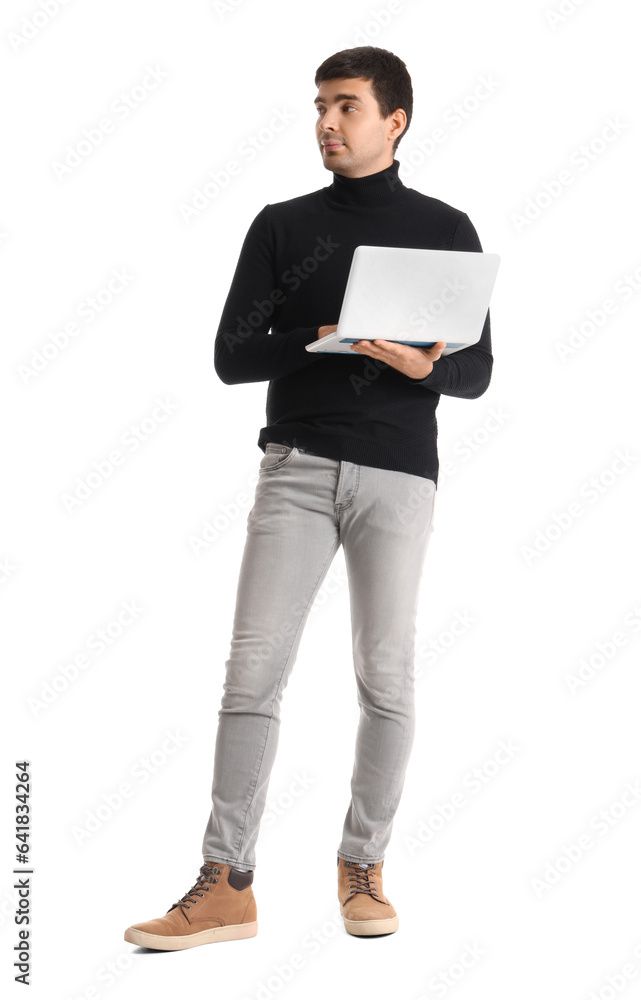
{"x": 220, "y": 906}
{"x": 364, "y": 906}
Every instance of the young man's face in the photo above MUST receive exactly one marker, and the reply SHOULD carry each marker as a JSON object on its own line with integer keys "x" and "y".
{"x": 353, "y": 138}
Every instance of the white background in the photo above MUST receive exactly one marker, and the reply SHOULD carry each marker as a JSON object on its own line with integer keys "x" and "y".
{"x": 497, "y": 876}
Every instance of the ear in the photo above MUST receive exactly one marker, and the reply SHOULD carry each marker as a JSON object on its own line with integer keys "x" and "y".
{"x": 398, "y": 122}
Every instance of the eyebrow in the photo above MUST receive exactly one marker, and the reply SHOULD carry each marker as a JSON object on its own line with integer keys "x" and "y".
{"x": 339, "y": 97}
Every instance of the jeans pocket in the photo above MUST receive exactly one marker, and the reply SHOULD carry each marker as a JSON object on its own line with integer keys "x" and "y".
{"x": 276, "y": 456}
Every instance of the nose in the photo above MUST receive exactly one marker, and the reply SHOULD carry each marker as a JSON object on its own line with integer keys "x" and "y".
{"x": 325, "y": 123}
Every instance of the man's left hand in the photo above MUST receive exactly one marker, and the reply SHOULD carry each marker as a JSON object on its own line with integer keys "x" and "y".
{"x": 416, "y": 362}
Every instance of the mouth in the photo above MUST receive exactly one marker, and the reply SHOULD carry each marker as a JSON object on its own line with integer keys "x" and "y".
{"x": 331, "y": 144}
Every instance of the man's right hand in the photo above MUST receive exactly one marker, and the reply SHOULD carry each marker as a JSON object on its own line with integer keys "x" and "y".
{"x": 323, "y": 331}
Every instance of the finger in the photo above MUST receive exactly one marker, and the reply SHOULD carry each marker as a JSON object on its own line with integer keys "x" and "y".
{"x": 388, "y": 345}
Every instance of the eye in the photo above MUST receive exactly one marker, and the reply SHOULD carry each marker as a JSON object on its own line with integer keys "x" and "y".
{"x": 319, "y": 110}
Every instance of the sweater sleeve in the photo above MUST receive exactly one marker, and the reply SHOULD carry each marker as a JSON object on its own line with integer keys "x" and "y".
{"x": 465, "y": 373}
{"x": 244, "y": 350}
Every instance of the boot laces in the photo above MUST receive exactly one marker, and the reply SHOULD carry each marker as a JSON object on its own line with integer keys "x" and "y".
{"x": 362, "y": 879}
{"x": 207, "y": 872}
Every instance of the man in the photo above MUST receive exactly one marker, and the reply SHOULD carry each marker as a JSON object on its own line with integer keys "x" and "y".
{"x": 350, "y": 458}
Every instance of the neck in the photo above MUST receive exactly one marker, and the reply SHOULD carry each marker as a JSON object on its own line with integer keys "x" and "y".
{"x": 375, "y": 190}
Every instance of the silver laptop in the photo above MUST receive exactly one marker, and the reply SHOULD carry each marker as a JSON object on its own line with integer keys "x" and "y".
{"x": 414, "y": 297}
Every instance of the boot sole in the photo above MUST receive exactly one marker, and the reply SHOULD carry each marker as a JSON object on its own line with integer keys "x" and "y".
{"x": 365, "y": 927}
{"x": 162, "y": 942}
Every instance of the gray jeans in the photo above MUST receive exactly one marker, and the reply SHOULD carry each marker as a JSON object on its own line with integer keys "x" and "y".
{"x": 304, "y": 508}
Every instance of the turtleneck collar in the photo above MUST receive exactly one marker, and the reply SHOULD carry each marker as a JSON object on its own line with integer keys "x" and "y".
{"x": 377, "y": 190}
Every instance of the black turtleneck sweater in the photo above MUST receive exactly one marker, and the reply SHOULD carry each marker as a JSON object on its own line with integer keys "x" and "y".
{"x": 291, "y": 277}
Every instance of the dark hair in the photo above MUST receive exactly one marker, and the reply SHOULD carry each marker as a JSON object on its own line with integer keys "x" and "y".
{"x": 390, "y": 80}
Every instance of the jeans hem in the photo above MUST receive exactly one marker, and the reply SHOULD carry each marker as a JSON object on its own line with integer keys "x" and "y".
{"x": 360, "y": 861}
{"x": 228, "y": 861}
